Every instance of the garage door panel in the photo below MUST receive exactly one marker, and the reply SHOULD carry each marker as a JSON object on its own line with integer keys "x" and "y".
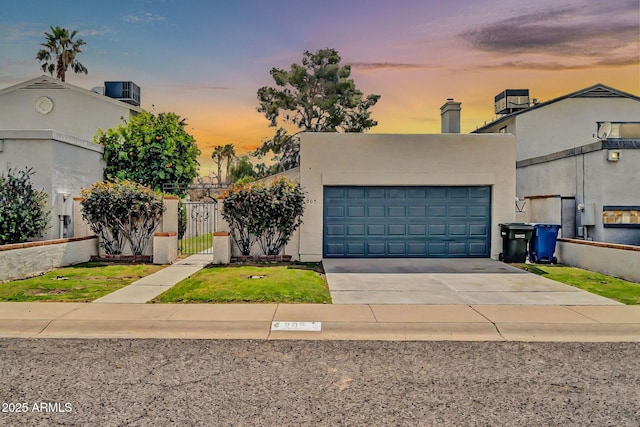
{"x": 356, "y": 193}
{"x": 457, "y": 248}
{"x": 375, "y": 248}
{"x": 416, "y": 193}
{"x": 356, "y": 249}
{"x": 478, "y": 211}
{"x": 407, "y": 221}
{"x": 376, "y": 229}
{"x": 478, "y": 230}
{"x": 397, "y": 212}
{"x": 437, "y": 249}
{"x": 438, "y": 211}
{"x": 336, "y": 249}
{"x": 416, "y": 211}
{"x": 355, "y": 230}
{"x": 355, "y": 211}
{"x": 375, "y": 193}
{"x": 417, "y": 249}
{"x": 396, "y": 193}
{"x": 417, "y": 229}
{"x": 437, "y": 230}
{"x": 397, "y": 248}
{"x": 458, "y": 211}
{"x": 396, "y": 230}
{"x": 478, "y": 248}
{"x": 458, "y": 192}
{"x": 335, "y": 230}
{"x": 479, "y": 193}
{"x": 335, "y": 211}
{"x": 375, "y": 211}
{"x": 458, "y": 230}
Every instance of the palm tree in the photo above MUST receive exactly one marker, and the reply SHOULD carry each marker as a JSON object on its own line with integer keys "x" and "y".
{"x": 218, "y": 156}
{"x": 229, "y": 153}
{"x": 59, "y": 53}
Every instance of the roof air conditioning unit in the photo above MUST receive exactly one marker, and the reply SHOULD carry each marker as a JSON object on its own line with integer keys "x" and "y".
{"x": 128, "y": 92}
{"x": 511, "y": 100}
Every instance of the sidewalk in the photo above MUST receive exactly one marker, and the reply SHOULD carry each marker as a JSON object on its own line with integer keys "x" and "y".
{"x": 151, "y": 286}
{"x": 338, "y": 322}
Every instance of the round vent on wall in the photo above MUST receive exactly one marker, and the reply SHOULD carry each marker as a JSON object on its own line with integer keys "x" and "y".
{"x": 44, "y": 105}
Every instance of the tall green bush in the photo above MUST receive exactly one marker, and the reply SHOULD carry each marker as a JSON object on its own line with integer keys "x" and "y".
{"x": 150, "y": 149}
{"x": 23, "y": 213}
{"x": 266, "y": 214}
{"x": 122, "y": 210}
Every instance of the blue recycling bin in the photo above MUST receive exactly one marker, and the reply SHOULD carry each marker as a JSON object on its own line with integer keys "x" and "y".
{"x": 543, "y": 243}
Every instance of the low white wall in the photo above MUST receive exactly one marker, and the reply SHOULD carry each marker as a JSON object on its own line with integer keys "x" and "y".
{"x": 615, "y": 260}
{"x": 24, "y": 260}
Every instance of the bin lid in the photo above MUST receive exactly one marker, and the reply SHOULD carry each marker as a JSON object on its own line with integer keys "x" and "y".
{"x": 542, "y": 224}
{"x": 521, "y": 226}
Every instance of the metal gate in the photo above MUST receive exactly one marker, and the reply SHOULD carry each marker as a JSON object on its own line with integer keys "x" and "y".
{"x": 197, "y": 223}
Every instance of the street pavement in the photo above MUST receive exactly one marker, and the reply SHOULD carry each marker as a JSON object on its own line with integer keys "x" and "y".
{"x": 124, "y": 382}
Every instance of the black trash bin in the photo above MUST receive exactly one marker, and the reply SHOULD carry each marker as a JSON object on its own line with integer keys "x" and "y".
{"x": 515, "y": 237}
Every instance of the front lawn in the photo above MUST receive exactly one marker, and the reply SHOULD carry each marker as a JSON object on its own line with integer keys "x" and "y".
{"x": 80, "y": 283}
{"x": 250, "y": 284}
{"x": 596, "y": 283}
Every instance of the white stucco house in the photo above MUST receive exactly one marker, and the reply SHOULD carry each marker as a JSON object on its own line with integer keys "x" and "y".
{"x": 578, "y": 154}
{"x": 48, "y": 125}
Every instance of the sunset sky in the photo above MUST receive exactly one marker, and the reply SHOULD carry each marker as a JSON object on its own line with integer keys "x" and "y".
{"x": 205, "y": 60}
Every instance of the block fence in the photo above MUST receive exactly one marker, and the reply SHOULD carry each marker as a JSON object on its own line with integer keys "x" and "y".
{"x": 615, "y": 260}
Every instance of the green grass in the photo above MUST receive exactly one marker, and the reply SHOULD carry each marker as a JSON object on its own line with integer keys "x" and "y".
{"x": 80, "y": 283}
{"x": 280, "y": 284}
{"x": 597, "y": 283}
{"x": 195, "y": 244}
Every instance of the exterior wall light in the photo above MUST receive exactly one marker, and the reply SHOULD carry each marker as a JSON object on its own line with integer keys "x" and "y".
{"x": 613, "y": 156}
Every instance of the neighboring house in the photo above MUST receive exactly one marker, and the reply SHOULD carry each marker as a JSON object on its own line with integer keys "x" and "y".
{"x": 580, "y": 154}
{"x": 48, "y": 125}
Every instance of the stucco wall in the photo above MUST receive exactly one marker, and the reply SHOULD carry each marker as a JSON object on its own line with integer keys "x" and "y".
{"x": 17, "y": 262}
{"x": 62, "y": 164}
{"x": 591, "y": 179}
{"x": 368, "y": 159}
{"x": 77, "y": 113}
{"x": 568, "y": 123}
{"x": 615, "y": 260}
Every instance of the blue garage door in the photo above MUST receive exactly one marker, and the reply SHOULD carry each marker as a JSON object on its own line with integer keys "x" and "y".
{"x": 415, "y": 222}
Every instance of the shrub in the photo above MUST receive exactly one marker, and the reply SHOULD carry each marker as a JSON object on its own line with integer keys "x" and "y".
{"x": 23, "y": 213}
{"x": 122, "y": 210}
{"x": 267, "y": 214}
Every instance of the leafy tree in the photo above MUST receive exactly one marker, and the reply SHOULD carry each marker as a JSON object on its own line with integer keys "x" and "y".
{"x": 267, "y": 214}
{"x": 122, "y": 210}
{"x": 315, "y": 96}
{"x": 151, "y": 150}
{"x": 59, "y": 53}
{"x": 23, "y": 213}
{"x": 242, "y": 169}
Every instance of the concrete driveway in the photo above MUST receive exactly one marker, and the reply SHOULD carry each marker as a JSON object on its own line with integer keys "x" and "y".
{"x": 446, "y": 281}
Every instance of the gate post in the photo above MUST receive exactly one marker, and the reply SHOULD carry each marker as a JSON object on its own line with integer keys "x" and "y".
{"x": 170, "y": 216}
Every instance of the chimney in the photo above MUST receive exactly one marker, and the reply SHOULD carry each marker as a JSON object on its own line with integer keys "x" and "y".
{"x": 450, "y": 114}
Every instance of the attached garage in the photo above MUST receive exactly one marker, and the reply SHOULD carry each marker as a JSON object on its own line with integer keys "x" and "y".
{"x": 406, "y": 221}
{"x": 404, "y": 196}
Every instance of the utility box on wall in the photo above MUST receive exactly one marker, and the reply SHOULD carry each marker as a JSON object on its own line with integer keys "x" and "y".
{"x": 587, "y": 214}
